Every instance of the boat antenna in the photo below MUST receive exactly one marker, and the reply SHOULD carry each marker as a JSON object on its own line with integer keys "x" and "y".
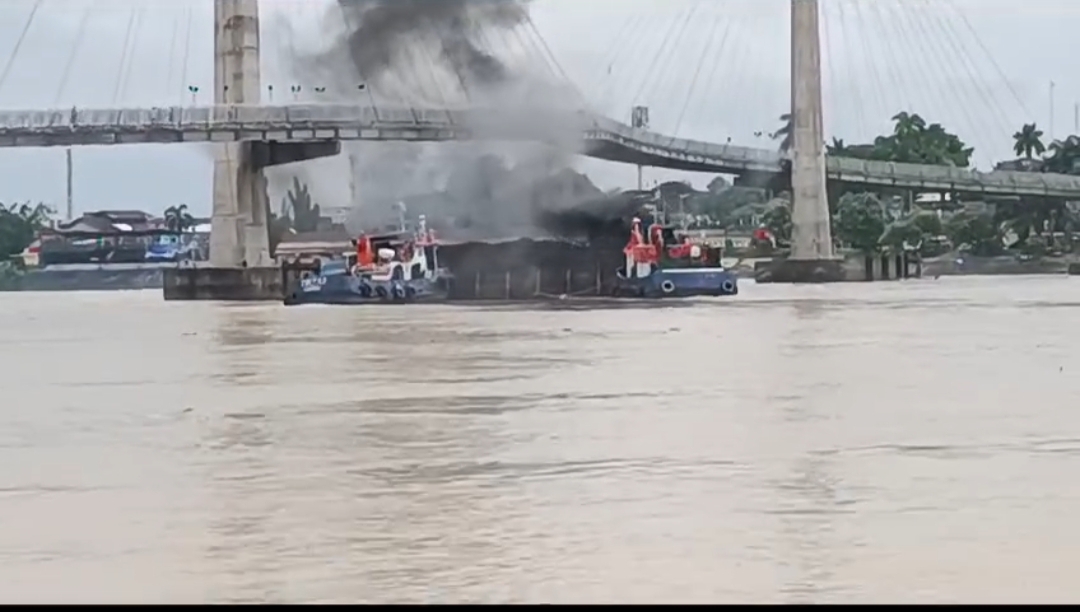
{"x": 401, "y": 215}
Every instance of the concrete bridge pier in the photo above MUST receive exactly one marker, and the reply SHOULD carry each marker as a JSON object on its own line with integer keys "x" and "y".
{"x": 812, "y": 256}
{"x": 241, "y": 264}
{"x": 240, "y": 234}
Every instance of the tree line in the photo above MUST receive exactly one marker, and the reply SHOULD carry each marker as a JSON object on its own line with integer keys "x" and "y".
{"x": 876, "y": 220}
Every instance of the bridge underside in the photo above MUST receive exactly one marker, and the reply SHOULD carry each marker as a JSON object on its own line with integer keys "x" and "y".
{"x": 268, "y": 154}
{"x": 611, "y": 151}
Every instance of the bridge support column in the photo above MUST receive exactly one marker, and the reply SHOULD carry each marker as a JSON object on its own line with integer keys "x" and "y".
{"x": 240, "y": 234}
{"x": 812, "y": 255}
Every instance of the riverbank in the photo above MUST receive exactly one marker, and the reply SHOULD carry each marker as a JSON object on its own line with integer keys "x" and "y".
{"x": 122, "y": 277}
{"x": 113, "y": 277}
{"x": 958, "y": 265}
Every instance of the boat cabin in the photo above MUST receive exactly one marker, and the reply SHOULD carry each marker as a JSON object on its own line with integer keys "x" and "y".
{"x": 660, "y": 248}
{"x": 397, "y": 255}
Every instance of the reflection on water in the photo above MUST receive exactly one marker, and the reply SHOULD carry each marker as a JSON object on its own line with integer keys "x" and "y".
{"x": 906, "y": 442}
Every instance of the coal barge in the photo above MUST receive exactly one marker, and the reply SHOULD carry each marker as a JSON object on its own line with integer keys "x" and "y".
{"x": 631, "y": 255}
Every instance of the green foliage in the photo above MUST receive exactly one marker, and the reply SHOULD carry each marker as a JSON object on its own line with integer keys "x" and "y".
{"x": 178, "y": 219}
{"x": 912, "y": 141}
{"x": 777, "y": 220}
{"x": 860, "y": 222}
{"x": 297, "y": 206}
{"x": 9, "y": 274}
{"x": 19, "y": 226}
{"x": 786, "y": 133}
{"x": 1029, "y": 141}
{"x": 1034, "y": 225}
{"x": 912, "y": 231}
{"x": 1064, "y": 156}
{"x": 718, "y": 185}
{"x": 976, "y": 232}
{"x": 727, "y": 207}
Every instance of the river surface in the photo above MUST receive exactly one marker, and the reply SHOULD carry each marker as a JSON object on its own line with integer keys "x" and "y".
{"x": 887, "y": 442}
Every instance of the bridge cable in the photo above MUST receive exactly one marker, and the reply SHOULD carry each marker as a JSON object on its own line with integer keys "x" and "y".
{"x": 431, "y": 63}
{"x": 865, "y": 54}
{"x": 668, "y": 78}
{"x": 701, "y": 62}
{"x": 835, "y": 91}
{"x": 946, "y": 104}
{"x": 415, "y": 89}
{"x": 980, "y": 78}
{"x": 124, "y": 54}
{"x": 609, "y": 56}
{"x": 655, "y": 60}
{"x": 756, "y": 105}
{"x": 943, "y": 95}
{"x": 882, "y": 75}
{"x": 893, "y": 72}
{"x": 981, "y": 96}
{"x": 462, "y": 81}
{"x": 997, "y": 67}
{"x": 983, "y": 93}
{"x": 283, "y": 61}
{"x": 735, "y": 72}
{"x": 79, "y": 36}
{"x": 140, "y": 14}
{"x": 173, "y": 40}
{"x": 615, "y": 84}
{"x": 18, "y": 43}
{"x": 366, "y": 86}
{"x": 670, "y": 51}
{"x": 711, "y": 80}
{"x": 531, "y": 26}
{"x": 532, "y": 49}
{"x": 190, "y": 12}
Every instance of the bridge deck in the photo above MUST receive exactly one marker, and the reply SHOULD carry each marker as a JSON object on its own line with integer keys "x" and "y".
{"x": 305, "y": 122}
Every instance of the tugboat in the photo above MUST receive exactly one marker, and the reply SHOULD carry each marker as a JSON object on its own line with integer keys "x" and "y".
{"x": 658, "y": 265}
{"x": 390, "y": 268}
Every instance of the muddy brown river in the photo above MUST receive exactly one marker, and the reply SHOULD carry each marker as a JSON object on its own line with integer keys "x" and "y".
{"x": 887, "y": 442}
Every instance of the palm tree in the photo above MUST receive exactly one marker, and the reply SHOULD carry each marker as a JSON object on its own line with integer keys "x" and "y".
{"x": 908, "y": 124}
{"x": 299, "y": 207}
{"x": 838, "y": 148}
{"x": 786, "y": 133}
{"x": 1029, "y": 141}
{"x": 178, "y": 219}
{"x": 1064, "y": 155}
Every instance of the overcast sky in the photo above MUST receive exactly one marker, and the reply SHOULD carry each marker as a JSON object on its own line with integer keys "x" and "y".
{"x": 981, "y": 67}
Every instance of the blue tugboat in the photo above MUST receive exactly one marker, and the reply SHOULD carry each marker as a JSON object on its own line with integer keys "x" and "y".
{"x": 393, "y": 268}
{"x": 660, "y": 266}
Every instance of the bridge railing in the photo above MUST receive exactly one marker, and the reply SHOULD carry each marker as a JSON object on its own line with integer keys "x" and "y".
{"x": 948, "y": 178}
{"x": 765, "y": 158}
{"x": 535, "y": 123}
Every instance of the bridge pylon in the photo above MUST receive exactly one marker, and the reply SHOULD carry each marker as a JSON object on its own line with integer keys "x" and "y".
{"x": 813, "y": 258}
{"x": 240, "y": 236}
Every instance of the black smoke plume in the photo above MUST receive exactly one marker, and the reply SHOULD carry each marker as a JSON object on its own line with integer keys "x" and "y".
{"x": 435, "y": 53}
{"x": 381, "y": 29}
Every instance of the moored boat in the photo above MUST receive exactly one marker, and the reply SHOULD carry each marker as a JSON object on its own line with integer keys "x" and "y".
{"x": 398, "y": 268}
{"x": 659, "y": 265}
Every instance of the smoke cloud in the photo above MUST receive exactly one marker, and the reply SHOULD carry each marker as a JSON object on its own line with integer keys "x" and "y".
{"x": 446, "y": 54}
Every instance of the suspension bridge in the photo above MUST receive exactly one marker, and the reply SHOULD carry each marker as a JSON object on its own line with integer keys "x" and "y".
{"x": 240, "y": 116}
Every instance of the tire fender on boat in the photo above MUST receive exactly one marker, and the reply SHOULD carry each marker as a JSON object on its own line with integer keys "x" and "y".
{"x": 727, "y": 286}
{"x": 399, "y": 291}
{"x": 667, "y": 286}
